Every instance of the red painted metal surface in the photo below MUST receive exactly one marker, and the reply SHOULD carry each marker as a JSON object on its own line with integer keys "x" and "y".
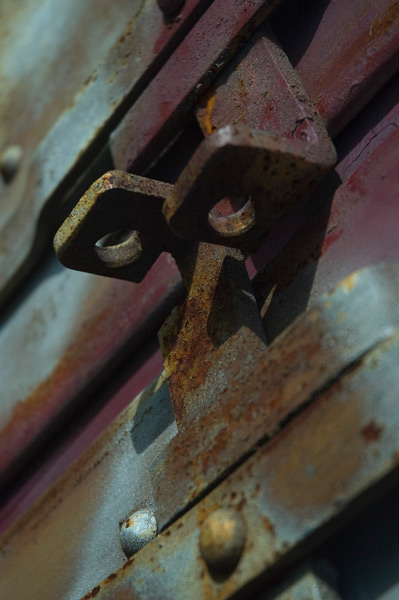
{"x": 161, "y": 111}
{"x": 345, "y": 53}
{"x": 356, "y": 226}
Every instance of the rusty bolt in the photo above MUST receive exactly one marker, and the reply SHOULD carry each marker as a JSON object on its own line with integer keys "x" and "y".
{"x": 169, "y": 7}
{"x": 222, "y": 539}
{"x": 10, "y": 162}
{"x": 139, "y": 529}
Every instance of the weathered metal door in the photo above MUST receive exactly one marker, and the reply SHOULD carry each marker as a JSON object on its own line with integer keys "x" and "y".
{"x": 206, "y": 405}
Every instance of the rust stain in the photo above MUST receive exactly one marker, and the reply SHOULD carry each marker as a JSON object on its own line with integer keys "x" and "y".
{"x": 268, "y": 525}
{"x": 349, "y": 283}
{"x": 186, "y": 354}
{"x": 127, "y": 564}
{"x": 366, "y": 43}
{"x": 215, "y": 448}
{"x": 107, "y": 317}
{"x": 311, "y": 465}
{"x": 382, "y": 24}
{"x": 204, "y": 113}
{"x": 371, "y": 432}
{"x": 192, "y": 339}
{"x": 44, "y": 401}
{"x": 274, "y": 389}
{"x": 92, "y": 594}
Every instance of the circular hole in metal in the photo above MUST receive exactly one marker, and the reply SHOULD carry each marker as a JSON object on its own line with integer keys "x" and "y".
{"x": 115, "y": 238}
{"x": 119, "y": 248}
{"x": 232, "y": 216}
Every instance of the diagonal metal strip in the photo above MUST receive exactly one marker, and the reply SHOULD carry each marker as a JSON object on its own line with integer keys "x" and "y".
{"x": 289, "y": 493}
{"x": 314, "y": 351}
{"x": 160, "y": 112}
{"x": 345, "y": 54}
{"x": 102, "y": 487}
{"x": 82, "y": 130}
{"x": 356, "y": 226}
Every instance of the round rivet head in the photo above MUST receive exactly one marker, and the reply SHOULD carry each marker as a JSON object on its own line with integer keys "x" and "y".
{"x": 222, "y": 539}
{"x": 139, "y": 529}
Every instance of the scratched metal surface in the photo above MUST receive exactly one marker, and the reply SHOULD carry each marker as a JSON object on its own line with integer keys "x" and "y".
{"x": 52, "y": 46}
{"x": 81, "y": 331}
{"x": 346, "y": 52}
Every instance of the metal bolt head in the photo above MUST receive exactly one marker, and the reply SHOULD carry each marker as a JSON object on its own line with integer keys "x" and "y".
{"x": 10, "y": 162}
{"x": 222, "y": 539}
{"x": 169, "y": 7}
{"x": 139, "y": 529}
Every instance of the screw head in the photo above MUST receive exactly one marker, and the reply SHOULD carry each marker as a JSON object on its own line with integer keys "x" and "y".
{"x": 169, "y": 7}
{"x": 222, "y": 539}
{"x": 139, "y": 529}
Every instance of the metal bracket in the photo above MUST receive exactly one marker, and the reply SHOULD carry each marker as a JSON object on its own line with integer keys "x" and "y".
{"x": 263, "y": 175}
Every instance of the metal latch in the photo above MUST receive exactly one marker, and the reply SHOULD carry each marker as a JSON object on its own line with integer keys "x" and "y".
{"x": 236, "y": 186}
{"x": 271, "y": 174}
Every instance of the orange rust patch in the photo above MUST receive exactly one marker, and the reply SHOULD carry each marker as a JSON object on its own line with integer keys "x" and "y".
{"x": 95, "y": 332}
{"x": 349, "y": 282}
{"x": 383, "y": 23}
{"x": 127, "y": 563}
{"x": 192, "y": 336}
{"x": 268, "y": 525}
{"x": 37, "y": 409}
{"x": 315, "y": 457}
{"x": 92, "y": 594}
{"x": 204, "y": 113}
{"x": 371, "y": 432}
{"x": 241, "y": 86}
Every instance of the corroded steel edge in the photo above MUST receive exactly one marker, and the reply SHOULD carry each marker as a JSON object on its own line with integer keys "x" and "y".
{"x": 260, "y": 395}
{"x": 201, "y": 458}
{"x": 287, "y": 493}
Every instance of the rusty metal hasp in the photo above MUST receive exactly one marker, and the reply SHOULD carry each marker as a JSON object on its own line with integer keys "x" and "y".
{"x": 272, "y": 175}
{"x": 198, "y": 340}
{"x": 238, "y": 183}
{"x": 220, "y": 311}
